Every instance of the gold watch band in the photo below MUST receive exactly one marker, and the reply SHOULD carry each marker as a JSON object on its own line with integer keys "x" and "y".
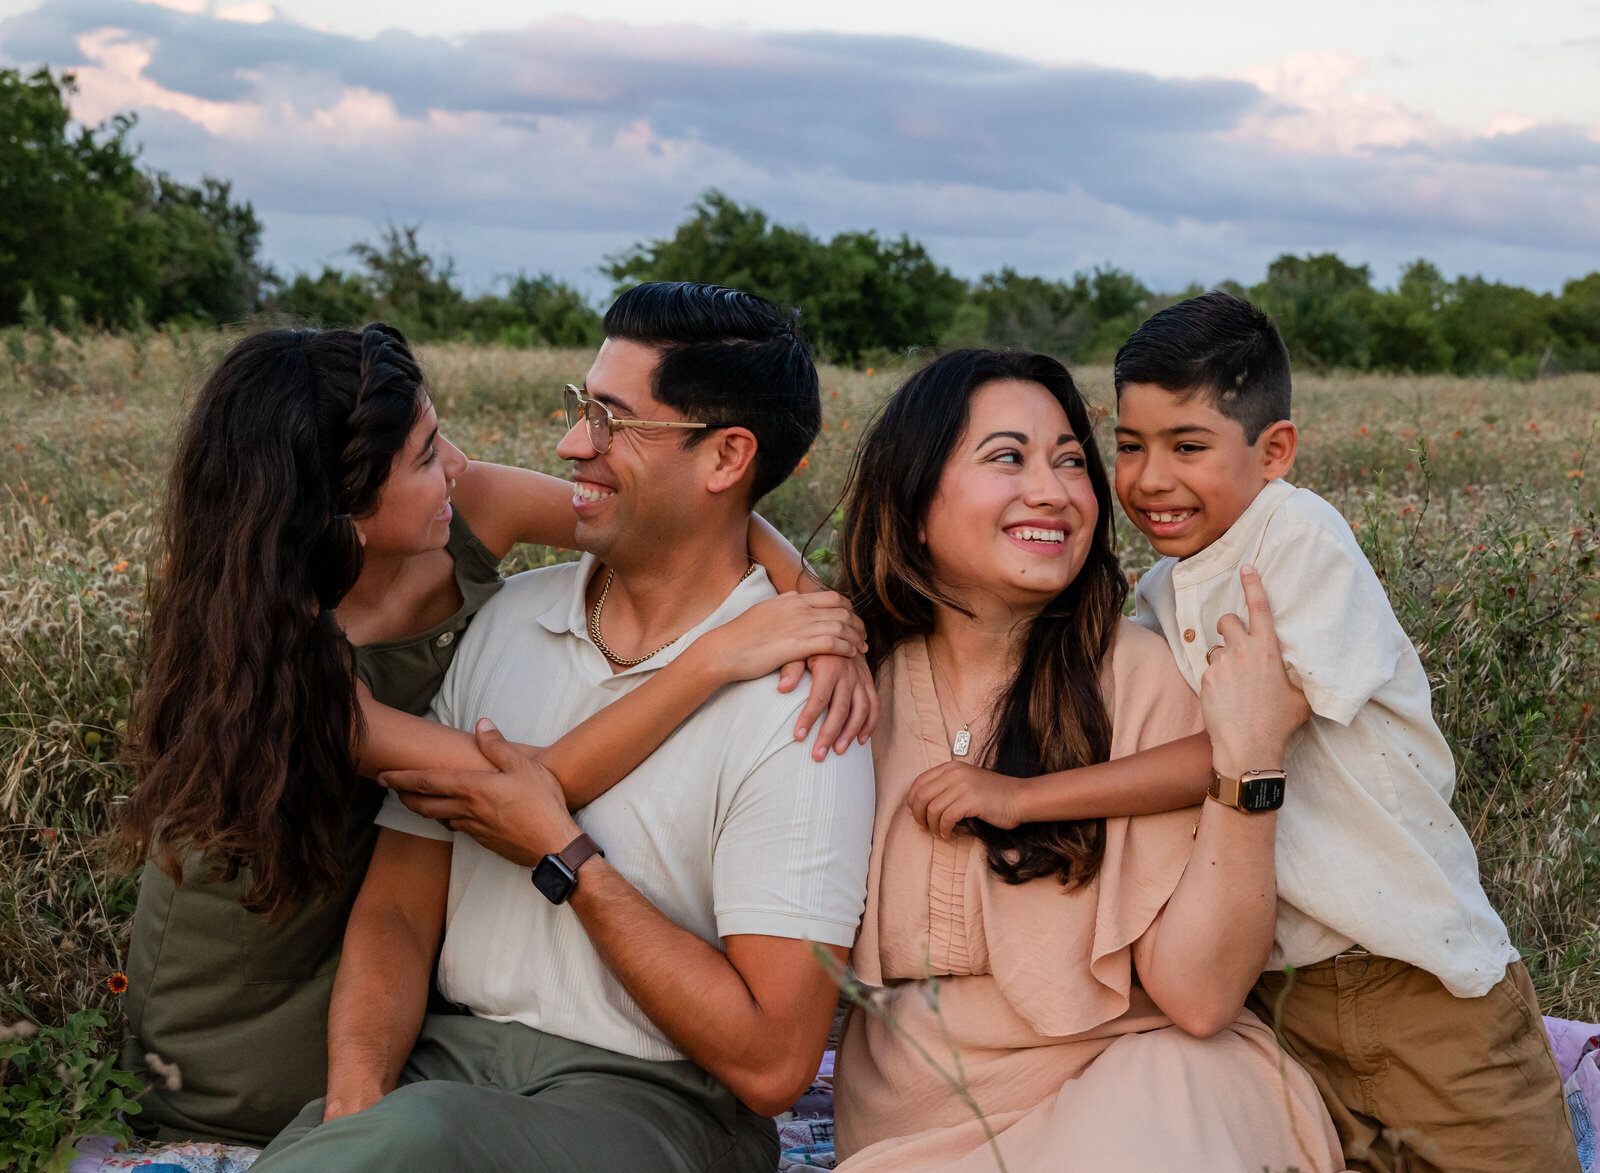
{"x": 1231, "y": 792}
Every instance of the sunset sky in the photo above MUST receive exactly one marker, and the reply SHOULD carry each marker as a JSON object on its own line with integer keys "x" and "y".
{"x": 1184, "y": 142}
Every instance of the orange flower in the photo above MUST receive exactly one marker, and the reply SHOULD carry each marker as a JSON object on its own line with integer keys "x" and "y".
{"x": 1364, "y": 431}
{"x": 871, "y": 371}
{"x": 120, "y": 566}
{"x": 805, "y": 461}
{"x": 118, "y": 982}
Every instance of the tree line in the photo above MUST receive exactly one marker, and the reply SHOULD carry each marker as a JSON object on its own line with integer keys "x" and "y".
{"x": 88, "y": 237}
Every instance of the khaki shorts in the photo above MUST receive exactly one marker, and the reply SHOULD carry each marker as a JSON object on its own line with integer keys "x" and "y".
{"x": 1418, "y": 1080}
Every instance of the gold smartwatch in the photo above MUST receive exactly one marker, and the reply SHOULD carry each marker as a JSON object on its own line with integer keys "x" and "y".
{"x": 1254, "y": 791}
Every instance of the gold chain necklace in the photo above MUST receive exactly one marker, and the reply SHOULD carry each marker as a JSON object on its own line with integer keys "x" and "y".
{"x": 963, "y": 738}
{"x": 599, "y": 641}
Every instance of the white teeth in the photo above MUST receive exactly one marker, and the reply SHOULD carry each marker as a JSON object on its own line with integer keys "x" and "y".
{"x": 586, "y": 493}
{"x": 1029, "y": 534}
{"x": 1164, "y": 518}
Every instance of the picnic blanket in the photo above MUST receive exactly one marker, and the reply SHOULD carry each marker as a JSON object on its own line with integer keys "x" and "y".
{"x": 1577, "y": 1050}
{"x": 805, "y": 1134}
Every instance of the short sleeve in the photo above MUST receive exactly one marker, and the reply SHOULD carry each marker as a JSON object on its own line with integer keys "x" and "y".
{"x": 1338, "y": 633}
{"x": 791, "y": 855}
{"x": 397, "y": 817}
{"x": 394, "y": 814}
{"x": 1150, "y": 701}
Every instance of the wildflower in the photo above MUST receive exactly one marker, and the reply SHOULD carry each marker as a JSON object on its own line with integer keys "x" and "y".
{"x": 1575, "y": 474}
{"x": 871, "y": 371}
{"x": 120, "y": 566}
{"x": 805, "y": 461}
{"x": 1364, "y": 431}
{"x": 45, "y": 500}
{"x": 1533, "y": 425}
{"x": 831, "y": 395}
{"x": 1408, "y": 509}
{"x": 117, "y": 983}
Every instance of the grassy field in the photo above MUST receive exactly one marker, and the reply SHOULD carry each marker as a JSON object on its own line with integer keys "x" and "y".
{"x": 1470, "y": 496}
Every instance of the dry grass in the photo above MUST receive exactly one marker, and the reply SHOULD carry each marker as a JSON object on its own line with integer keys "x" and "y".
{"x": 1470, "y": 496}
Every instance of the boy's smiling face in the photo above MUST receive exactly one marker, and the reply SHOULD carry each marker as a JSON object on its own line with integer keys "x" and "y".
{"x": 1184, "y": 470}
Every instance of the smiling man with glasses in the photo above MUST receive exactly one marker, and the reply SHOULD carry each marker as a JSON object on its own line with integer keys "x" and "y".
{"x": 648, "y": 995}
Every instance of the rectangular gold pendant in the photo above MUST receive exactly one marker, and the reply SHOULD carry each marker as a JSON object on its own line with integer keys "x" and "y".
{"x": 962, "y": 743}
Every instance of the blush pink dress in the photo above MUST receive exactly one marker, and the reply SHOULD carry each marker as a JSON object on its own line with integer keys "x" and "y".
{"x": 1072, "y": 1064}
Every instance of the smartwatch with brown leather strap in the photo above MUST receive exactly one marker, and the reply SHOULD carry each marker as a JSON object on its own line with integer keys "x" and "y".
{"x": 557, "y": 875}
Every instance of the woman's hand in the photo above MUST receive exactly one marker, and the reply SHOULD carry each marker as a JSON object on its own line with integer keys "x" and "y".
{"x": 794, "y": 632}
{"x": 1251, "y": 707}
{"x": 843, "y": 688}
{"x": 941, "y": 797}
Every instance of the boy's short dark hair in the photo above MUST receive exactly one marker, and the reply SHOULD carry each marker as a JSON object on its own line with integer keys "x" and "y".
{"x": 728, "y": 358}
{"x": 1216, "y": 345}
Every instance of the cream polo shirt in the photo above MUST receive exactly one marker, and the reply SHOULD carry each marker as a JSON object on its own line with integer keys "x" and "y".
{"x": 729, "y": 828}
{"x": 1369, "y": 852}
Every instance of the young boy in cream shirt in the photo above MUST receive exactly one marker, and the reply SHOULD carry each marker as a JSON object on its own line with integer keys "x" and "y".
{"x": 1407, "y": 1003}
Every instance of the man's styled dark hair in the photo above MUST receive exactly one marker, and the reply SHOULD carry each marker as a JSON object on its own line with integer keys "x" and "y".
{"x": 1216, "y": 345}
{"x": 730, "y": 359}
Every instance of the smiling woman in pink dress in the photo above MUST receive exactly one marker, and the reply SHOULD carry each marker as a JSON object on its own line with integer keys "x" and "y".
{"x": 1091, "y": 972}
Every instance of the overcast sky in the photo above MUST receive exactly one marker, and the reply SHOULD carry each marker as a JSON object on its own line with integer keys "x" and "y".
{"x": 1185, "y": 142}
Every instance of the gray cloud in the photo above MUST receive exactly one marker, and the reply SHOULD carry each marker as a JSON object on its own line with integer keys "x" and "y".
{"x": 603, "y": 132}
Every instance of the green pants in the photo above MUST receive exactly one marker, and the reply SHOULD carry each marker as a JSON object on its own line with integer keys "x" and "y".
{"x": 482, "y": 1097}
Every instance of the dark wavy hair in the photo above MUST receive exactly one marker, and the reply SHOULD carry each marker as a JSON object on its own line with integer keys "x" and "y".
{"x": 1052, "y": 715}
{"x": 244, "y": 723}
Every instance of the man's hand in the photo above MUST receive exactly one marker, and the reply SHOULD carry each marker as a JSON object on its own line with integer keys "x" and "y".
{"x": 943, "y": 796}
{"x": 1250, "y": 706}
{"x": 517, "y": 810}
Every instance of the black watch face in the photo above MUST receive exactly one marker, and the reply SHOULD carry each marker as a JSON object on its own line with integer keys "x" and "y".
{"x": 553, "y": 879}
{"x": 1261, "y": 794}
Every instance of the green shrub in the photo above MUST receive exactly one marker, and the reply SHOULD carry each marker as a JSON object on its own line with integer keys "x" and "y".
{"x": 59, "y": 1084}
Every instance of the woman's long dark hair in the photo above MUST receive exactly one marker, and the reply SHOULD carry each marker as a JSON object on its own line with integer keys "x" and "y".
{"x": 243, "y": 726}
{"x": 1052, "y": 715}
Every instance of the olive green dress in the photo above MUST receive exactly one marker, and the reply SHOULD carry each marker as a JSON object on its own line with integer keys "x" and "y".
{"x": 239, "y": 1004}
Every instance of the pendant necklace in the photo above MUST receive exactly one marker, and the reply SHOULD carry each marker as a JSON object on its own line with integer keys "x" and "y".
{"x": 963, "y": 739}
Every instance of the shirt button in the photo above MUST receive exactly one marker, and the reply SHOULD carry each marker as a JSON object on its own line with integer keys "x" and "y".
{"x": 445, "y": 639}
{"x": 1188, "y": 635}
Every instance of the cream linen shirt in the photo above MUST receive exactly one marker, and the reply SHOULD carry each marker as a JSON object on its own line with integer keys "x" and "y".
{"x": 1369, "y": 852}
{"x": 729, "y": 828}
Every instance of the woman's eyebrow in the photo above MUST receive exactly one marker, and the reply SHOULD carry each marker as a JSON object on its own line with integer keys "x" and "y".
{"x": 1017, "y": 436}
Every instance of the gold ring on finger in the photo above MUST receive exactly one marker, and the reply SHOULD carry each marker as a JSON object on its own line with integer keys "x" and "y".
{"x": 1213, "y": 650}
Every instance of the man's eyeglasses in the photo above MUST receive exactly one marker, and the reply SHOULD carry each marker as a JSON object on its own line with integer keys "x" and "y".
{"x": 603, "y": 425}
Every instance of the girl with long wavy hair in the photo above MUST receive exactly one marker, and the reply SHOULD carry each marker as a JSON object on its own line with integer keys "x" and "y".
{"x": 1089, "y": 969}
{"x": 319, "y": 569}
